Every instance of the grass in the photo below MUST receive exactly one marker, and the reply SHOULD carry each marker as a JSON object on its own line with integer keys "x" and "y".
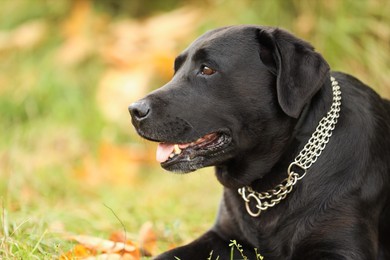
{"x": 234, "y": 247}
{"x": 37, "y": 216}
{"x": 52, "y": 127}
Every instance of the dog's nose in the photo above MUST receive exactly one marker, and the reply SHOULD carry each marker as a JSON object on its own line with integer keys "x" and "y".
{"x": 139, "y": 110}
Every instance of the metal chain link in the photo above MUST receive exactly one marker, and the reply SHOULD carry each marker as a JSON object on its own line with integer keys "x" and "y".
{"x": 305, "y": 159}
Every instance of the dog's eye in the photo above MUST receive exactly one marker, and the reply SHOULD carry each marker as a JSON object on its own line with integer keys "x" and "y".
{"x": 205, "y": 70}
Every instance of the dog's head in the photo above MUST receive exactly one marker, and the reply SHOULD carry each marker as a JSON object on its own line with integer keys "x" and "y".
{"x": 236, "y": 92}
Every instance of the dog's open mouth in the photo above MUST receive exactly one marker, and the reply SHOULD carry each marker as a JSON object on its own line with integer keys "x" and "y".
{"x": 202, "y": 149}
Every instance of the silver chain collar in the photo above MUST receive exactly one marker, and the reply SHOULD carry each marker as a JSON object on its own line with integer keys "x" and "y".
{"x": 303, "y": 161}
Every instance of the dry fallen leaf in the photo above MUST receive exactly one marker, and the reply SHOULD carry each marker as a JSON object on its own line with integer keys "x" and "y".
{"x": 148, "y": 239}
{"x": 75, "y": 22}
{"x": 77, "y": 46}
{"x": 82, "y": 31}
{"x": 133, "y": 42}
{"x": 74, "y": 50}
{"x": 78, "y": 252}
{"x": 104, "y": 245}
{"x": 118, "y": 88}
{"x": 140, "y": 53}
{"x": 25, "y": 36}
{"x": 118, "y": 236}
{"x": 117, "y": 164}
{"x": 90, "y": 247}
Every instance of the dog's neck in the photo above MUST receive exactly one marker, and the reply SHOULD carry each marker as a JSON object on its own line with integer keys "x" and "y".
{"x": 256, "y": 171}
{"x": 304, "y": 127}
{"x": 303, "y": 160}
{"x": 313, "y": 112}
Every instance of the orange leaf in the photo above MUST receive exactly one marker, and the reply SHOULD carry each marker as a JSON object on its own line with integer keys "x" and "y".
{"x": 147, "y": 238}
{"x": 115, "y": 164}
{"x": 79, "y": 251}
{"x": 76, "y": 21}
{"x": 117, "y": 88}
{"x": 118, "y": 236}
{"x": 163, "y": 61}
{"x": 105, "y": 246}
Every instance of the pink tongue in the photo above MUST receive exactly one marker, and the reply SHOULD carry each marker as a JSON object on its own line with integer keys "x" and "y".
{"x": 163, "y": 151}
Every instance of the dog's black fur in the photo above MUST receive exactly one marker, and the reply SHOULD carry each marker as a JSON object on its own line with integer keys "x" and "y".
{"x": 262, "y": 79}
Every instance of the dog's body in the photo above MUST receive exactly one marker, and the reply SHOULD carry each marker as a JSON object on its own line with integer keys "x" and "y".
{"x": 246, "y": 99}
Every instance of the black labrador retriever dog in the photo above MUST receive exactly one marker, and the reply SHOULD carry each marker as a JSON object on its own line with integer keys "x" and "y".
{"x": 303, "y": 153}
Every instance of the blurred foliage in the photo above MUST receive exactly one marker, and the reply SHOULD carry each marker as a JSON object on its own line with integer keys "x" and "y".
{"x": 68, "y": 70}
{"x": 137, "y": 8}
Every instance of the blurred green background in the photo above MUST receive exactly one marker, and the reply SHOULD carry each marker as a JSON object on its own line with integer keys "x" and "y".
{"x": 70, "y": 161}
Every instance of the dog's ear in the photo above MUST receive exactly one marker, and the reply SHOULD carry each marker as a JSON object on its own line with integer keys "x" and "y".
{"x": 300, "y": 71}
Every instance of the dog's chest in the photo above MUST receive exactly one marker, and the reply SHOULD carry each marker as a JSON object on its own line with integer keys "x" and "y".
{"x": 272, "y": 233}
